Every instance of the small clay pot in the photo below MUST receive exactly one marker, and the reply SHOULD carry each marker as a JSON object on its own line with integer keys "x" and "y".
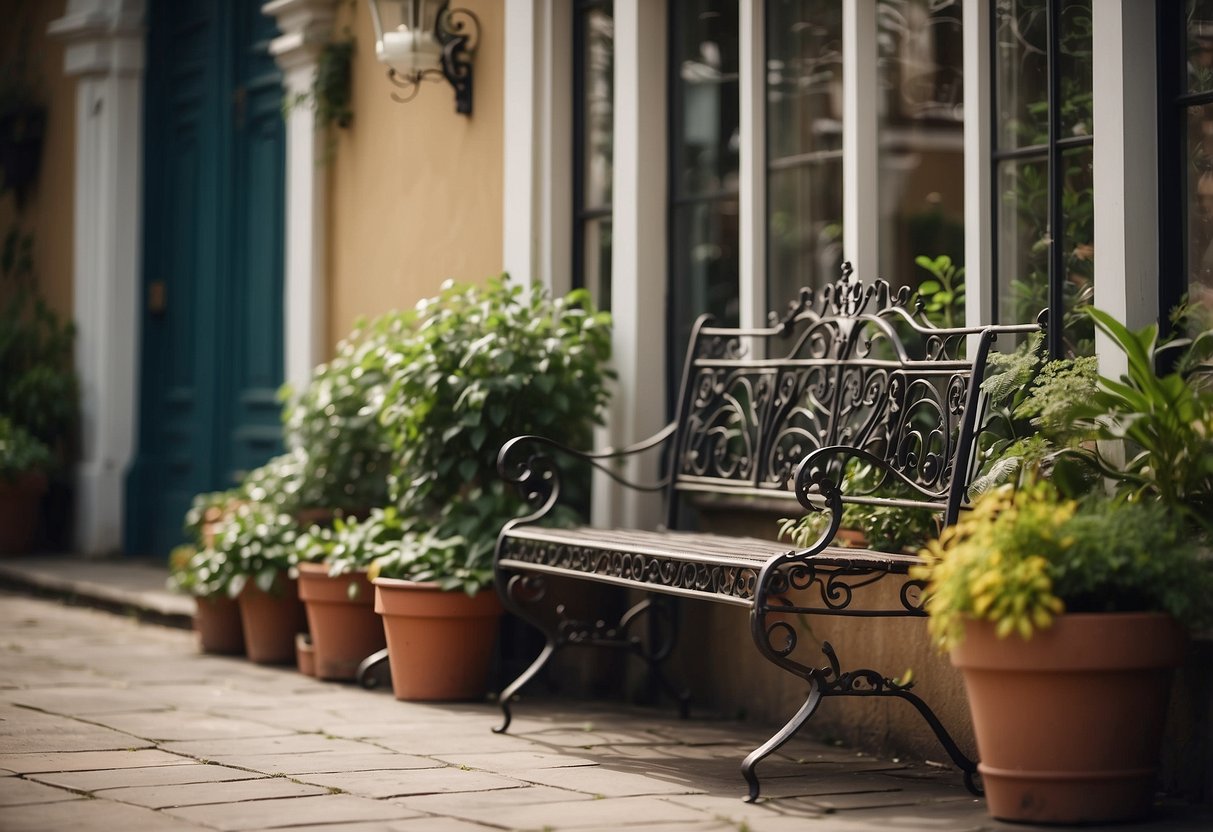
{"x": 20, "y": 501}
{"x": 305, "y": 654}
{"x": 341, "y": 619}
{"x": 1069, "y": 723}
{"x": 440, "y": 643}
{"x": 271, "y": 620}
{"x": 217, "y": 623}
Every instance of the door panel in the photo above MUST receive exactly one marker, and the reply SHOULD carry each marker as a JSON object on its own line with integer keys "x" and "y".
{"x": 212, "y": 304}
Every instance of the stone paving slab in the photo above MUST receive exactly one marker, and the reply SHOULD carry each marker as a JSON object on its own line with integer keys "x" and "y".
{"x": 276, "y": 814}
{"x": 328, "y": 762}
{"x": 97, "y": 739}
{"x": 514, "y": 760}
{"x": 601, "y": 781}
{"x": 187, "y": 725}
{"x": 640, "y": 812}
{"x": 382, "y": 784}
{"x": 32, "y": 763}
{"x": 174, "y": 775}
{"x": 200, "y": 794}
{"x": 90, "y": 814}
{"x": 17, "y": 791}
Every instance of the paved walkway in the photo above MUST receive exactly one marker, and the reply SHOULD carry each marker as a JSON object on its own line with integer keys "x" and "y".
{"x": 109, "y": 724}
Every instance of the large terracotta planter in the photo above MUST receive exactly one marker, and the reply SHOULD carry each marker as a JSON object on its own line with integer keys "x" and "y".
{"x": 440, "y": 644}
{"x": 341, "y": 618}
{"x": 1069, "y": 723}
{"x": 20, "y": 501}
{"x": 217, "y": 623}
{"x": 271, "y": 620}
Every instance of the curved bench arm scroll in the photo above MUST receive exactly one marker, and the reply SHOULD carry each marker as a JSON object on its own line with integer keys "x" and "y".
{"x": 528, "y": 463}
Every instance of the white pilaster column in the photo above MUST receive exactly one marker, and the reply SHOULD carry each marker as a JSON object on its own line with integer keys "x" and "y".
{"x": 105, "y": 53}
{"x": 306, "y": 26}
{"x": 639, "y": 263}
{"x": 979, "y": 196}
{"x": 752, "y": 242}
{"x": 861, "y": 152}
{"x": 538, "y": 143}
{"x": 1125, "y": 168}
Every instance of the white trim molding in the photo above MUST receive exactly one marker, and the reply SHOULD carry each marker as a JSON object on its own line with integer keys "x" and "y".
{"x": 537, "y": 137}
{"x": 860, "y": 139}
{"x": 639, "y": 253}
{"x": 979, "y": 196}
{"x": 1124, "y": 100}
{"x": 105, "y": 52}
{"x": 305, "y": 26}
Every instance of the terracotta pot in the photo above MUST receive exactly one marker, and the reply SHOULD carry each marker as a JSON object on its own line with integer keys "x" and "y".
{"x": 440, "y": 644}
{"x": 305, "y": 654}
{"x": 1069, "y": 723}
{"x": 20, "y": 501}
{"x": 271, "y": 621}
{"x": 217, "y": 622}
{"x": 343, "y": 624}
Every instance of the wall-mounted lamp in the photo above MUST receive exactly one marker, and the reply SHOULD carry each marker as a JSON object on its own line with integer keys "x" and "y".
{"x": 420, "y": 39}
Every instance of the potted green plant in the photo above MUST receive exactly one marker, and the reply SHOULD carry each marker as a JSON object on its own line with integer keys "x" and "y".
{"x": 38, "y": 395}
{"x": 481, "y": 365}
{"x": 342, "y": 450}
{"x": 254, "y": 548}
{"x": 197, "y": 569}
{"x": 337, "y": 593}
{"x": 1067, "y": 612}
{"x": 23, "y": 464}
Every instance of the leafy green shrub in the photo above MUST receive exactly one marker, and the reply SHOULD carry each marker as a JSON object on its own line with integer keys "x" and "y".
{"x": 343, "y": 450}
{"x": 20, "y": 452}
{"x": 1163, "y": 423}
{"x": 484, "y": 364}
{"x": 350, "y": 545}
{"x": 1021, "y": 557}
{"x": 255, "y": 541}
{"x": 885, "y": 528}
{"x": 38, "y": 387}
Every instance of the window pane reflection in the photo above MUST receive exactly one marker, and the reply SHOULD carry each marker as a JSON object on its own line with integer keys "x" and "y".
{"x": 804, "y": 145}
{"x": 1023, "y": 240}
{"x": 1022, "y": 73}
{"x": 599, "y": 91}
{"x": 1199, "y": 17}
{"x": 922, "y": 142}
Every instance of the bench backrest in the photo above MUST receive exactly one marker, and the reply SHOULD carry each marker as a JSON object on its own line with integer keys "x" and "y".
{"x": 848, "y": 365}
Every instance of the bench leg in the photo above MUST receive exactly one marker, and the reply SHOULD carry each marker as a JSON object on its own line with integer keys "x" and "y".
{"x": 518, "y": 684}
{"x": 783, "y": 735}
{"x": 516, "y": 592}
{"x": 658, "y": 647}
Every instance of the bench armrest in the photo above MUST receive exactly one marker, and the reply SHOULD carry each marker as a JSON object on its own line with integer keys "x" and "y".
{"x": 528, "y": 462}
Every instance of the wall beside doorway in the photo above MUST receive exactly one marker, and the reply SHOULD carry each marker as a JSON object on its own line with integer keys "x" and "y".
{"x": 415, "y": 189}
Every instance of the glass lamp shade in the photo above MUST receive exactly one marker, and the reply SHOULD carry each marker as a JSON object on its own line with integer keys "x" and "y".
{"x": 404, "y": 34}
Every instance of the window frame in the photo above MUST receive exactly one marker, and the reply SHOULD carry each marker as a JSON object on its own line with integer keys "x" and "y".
{"x": 1054, "y": 150}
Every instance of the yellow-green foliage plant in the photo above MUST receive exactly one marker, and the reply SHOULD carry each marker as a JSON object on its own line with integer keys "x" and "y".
{"x": 1023, "y": 556}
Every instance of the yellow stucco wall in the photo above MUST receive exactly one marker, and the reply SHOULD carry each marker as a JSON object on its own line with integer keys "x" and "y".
{"x": 415, "y": 189}
{"x": 47, "y": 211}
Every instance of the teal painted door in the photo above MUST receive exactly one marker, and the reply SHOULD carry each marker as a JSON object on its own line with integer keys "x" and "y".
{"x": 211, "y": 309}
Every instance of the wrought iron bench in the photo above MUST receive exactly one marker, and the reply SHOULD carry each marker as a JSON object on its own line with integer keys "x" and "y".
{"x": 848, "y": 373}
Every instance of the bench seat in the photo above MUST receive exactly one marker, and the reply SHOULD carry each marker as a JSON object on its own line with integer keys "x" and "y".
{"x": 715, "y": 567}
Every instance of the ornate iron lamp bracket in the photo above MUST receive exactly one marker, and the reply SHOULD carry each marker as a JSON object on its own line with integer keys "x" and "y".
{"x": 458, "y": 33}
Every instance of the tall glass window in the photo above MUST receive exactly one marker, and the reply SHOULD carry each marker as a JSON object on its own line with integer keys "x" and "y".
{"x": 1186, "y": 71}
{"x": 705, "y": 146}
{"x": 921, "y": 119}
{"x": 1042, "y": 167}
{"x": 804, "y": 145}
{"x": 594, "y": 137}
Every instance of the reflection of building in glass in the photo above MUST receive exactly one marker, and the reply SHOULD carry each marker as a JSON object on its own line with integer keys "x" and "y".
{"x": 1198, "y": 114}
